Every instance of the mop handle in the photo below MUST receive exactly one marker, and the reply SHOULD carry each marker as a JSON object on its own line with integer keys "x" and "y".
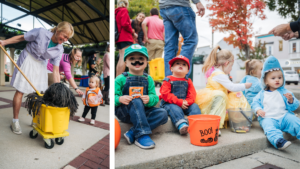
{"x": 20, "y": 70}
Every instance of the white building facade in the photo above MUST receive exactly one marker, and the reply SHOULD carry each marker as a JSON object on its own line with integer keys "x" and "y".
{"x": 287, "y": 52}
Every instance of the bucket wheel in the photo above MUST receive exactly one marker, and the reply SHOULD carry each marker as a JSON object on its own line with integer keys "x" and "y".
{"x": 49, "y": 143}
{"x": 33, "y": 134}
{"x": 59, "y": 140}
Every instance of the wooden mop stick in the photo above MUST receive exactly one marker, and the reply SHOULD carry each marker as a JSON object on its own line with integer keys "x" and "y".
{"x": 20, "y": 70}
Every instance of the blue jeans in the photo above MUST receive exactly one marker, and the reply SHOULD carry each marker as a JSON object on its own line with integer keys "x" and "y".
{"x": 176, "y": 113}
{"x": 273, "y": 128}
{"x": 143, "y": 119}
{"x": 178, "y": 19}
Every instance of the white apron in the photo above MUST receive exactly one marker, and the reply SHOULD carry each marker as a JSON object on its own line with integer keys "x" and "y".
{"x": 36, "y": 72}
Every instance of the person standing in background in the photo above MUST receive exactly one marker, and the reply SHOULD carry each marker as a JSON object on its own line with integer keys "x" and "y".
{"x": 179, "y": 17}
{"x": 154, "y": 37}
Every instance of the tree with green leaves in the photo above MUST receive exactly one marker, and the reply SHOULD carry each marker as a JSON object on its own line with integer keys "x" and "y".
{"x": 137, "y": 6}
{"x": 285, "y": 8}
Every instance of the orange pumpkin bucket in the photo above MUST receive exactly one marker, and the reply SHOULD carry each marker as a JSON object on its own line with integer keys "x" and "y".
{"x": 117, "y": 133}
{"x": 204, "y": 129}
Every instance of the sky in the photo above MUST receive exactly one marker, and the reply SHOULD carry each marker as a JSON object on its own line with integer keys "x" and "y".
{"x": 260, "y": 26}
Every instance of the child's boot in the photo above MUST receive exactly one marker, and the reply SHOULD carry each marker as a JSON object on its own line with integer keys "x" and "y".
{"x": 183, "y": 128}
{"x": 144, "y": 142}
{"x": 92, "y": 122}
{"x": 81, "y": 119}
{"x": 282, "y": 144}
{"x": 129, "y": 136}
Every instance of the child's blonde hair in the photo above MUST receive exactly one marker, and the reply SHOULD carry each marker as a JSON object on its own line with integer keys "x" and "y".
{"x": 251, "y": 66}
{"x": 216, "y": 58}
{"x": 97, "y": 80}
{"x": 64, "y": 26}
{"x": 123, "y": 3}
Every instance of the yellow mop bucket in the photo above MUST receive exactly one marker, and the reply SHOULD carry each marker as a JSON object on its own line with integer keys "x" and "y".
{"x": 53, "y": 120}
{"x": 157, "y": 69}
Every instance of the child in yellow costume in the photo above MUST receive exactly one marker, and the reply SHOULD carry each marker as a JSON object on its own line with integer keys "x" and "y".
{"x": 220, "y": 93}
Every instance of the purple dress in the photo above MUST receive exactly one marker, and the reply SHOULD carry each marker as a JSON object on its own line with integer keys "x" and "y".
{"x": 38, "y": 42}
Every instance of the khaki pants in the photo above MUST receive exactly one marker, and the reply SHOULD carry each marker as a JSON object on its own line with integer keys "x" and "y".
{"x": 155, "y": 48}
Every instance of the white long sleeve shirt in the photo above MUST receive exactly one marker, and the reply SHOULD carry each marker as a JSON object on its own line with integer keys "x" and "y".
{"x": 275, "y": 111}
{"x": 223, "y": 79}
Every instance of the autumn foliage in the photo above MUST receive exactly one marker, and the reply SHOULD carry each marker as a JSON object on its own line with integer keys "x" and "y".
{"x": 236, "y": 17}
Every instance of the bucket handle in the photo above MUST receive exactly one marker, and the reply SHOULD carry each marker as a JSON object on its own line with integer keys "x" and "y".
{"x": 250, "y": 120}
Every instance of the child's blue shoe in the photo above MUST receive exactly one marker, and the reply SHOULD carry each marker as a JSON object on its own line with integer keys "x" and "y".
{"x": 282, "y": 144}
{"x": 129, "y": 136}
{"x": 144, "y": 142}
{"x": 183, "y": 128}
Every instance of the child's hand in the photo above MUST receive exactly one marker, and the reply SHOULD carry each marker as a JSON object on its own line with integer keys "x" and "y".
{"x": 248, "y": 85}
{"x": 185, "y": 104}
{"x": 145, "y": 99}
{"x": 289, "y": 96}
{"x": 261, "y": 113}
{"x": 125, "y": 99}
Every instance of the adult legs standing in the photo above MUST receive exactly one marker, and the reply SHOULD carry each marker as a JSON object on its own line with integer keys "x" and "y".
{"x": 17, "y": 101}
{"x": 177, "y": 20}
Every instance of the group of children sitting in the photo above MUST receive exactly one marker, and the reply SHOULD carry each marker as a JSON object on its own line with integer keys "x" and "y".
{"x": 135, "y": 96}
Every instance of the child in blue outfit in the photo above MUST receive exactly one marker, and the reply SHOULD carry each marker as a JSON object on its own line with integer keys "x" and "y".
{"x": 253, "y": 74}
{"x": 274, "y": 105}
{"x": 135, "y": 98}
{"x": 178, "y": 94}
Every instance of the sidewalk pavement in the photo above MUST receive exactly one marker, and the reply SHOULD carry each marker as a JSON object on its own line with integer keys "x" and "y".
{"x": 287, "y": 159}
{"x": 87, "y": 146}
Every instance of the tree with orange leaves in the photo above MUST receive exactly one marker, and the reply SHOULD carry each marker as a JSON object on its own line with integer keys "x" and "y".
{"x": 237, "y": 18}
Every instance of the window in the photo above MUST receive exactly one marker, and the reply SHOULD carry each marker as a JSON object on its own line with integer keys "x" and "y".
{"x": 270, "y": 50}
{"x": 294, "y": 48}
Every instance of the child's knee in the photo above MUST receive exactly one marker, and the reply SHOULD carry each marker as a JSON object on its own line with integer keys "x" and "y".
{"x": 164, "y": 116}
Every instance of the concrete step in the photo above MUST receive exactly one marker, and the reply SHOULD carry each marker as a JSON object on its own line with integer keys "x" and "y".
{"x": 175, "y": 151}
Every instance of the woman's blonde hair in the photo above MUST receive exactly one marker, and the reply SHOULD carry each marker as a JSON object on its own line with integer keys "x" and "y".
{"x": 216, "y": 58}
{"x": 251, "y": 66}
{"x": 123, "y": 3}
{"x": 64, "y": 27}
{"x": 72, "y": 58}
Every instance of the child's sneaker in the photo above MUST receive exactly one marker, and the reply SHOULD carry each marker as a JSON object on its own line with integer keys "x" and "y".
{"x": 282, "y": 144}
{"x": 144, "y": 142}
{"x": 183, "y": 128}
{"x": 129, "y": 136}
{"x": 92, "y": 122}
{"x": 81, "y": 119}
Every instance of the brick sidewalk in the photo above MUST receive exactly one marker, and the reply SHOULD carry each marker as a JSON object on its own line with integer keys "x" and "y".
{"x": 97, "y": 156}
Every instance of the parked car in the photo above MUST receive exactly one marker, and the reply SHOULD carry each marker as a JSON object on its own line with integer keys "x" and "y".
{"x": 291, "y": 77}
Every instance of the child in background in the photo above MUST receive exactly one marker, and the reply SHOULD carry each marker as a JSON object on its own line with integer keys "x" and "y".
{"x": 274, "y": 105}
{"x": 178, "y": 94}
{"x": 215, "y": 98}
{"x": 138, "y": 110}
{"x": 91, "y": 99}
{"x": 253, "y": 74}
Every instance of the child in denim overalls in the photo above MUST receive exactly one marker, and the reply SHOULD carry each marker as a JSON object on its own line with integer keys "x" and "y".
{"x": 178, "y": 94}
{"x": 138, "y": 111}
